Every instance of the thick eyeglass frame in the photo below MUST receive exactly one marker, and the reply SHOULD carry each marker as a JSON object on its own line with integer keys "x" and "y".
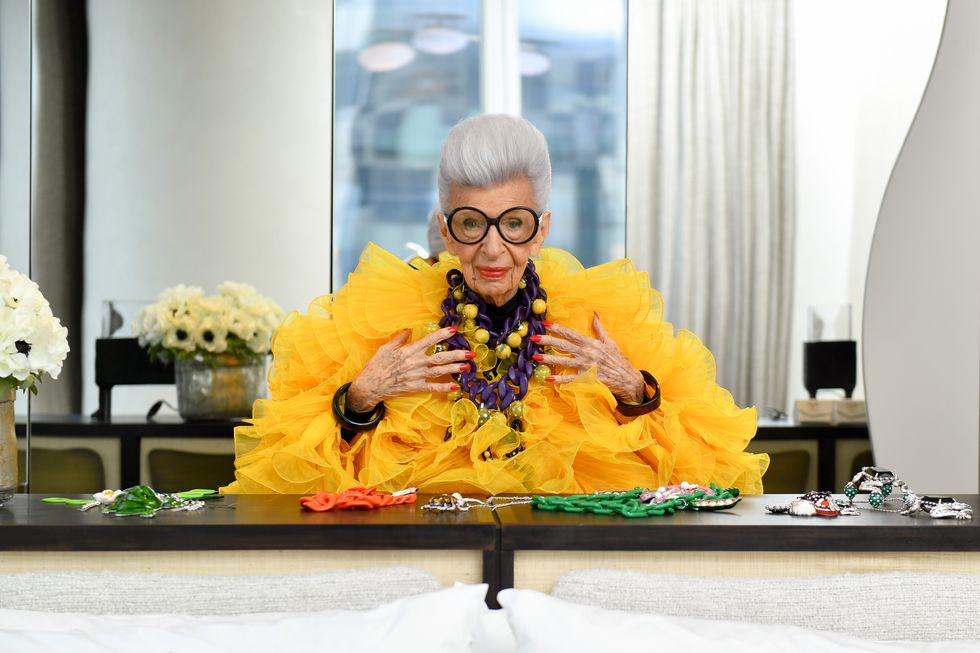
{"x": 493, "y": 222}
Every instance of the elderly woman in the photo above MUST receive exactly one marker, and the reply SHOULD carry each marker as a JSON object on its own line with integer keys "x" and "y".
{"x": 504, "y": 367}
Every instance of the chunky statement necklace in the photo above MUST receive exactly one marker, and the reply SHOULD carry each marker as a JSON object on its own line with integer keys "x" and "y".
{"x": 497, "y": 379}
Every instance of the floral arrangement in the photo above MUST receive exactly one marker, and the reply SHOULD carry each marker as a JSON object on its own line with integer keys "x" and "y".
{"x": 185, "y": 324}
{"x": 32, "y": 340}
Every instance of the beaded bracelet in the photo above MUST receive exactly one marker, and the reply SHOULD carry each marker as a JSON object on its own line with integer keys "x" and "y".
{"x": 648, "y": 405}
{"x": 345, "y": 421}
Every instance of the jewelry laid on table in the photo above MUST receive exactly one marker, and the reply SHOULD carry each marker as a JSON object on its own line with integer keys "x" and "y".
{"x": 816, "y": 502}
{"x": 936, "y": 507}
{"x": 497, "y": 379}
{"x": 357, "y": 498}
{"x": 456, "y": 502}
{"x": 140, "y": 501}
{"x": 880, "y": 483}
{"x": 640, "y": 502}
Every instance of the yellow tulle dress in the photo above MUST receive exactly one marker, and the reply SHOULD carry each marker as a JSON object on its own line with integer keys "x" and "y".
{"x": 574, "y": 439}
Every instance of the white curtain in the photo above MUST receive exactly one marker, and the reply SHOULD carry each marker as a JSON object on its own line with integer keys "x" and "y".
{"x": 710, "y": 181}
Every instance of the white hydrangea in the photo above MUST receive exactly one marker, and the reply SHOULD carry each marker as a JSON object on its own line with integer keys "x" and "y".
{"x": 32, "y": 341}
{"x": 184, "y": 322}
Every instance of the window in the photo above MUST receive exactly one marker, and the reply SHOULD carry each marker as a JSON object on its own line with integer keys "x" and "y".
{"x": 406, "y": 72}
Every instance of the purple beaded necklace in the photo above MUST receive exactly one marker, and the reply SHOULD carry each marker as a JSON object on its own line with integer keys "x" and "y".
{"x": 496, "y": 388}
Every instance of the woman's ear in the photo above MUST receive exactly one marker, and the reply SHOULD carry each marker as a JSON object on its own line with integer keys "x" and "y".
{"x": 539, "y": 237}
{"x": 447, "y": 240}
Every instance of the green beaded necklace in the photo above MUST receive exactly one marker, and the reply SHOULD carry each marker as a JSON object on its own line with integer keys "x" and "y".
{"x": 629, "y": 504}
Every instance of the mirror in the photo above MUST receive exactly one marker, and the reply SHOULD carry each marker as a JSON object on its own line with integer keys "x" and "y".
{"x": 15, "y": 183}
{"x": 208, "y": 156}
{"x": 15, "y": 129}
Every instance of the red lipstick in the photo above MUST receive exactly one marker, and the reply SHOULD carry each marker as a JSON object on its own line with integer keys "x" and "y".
{"x": 492, "y": 273}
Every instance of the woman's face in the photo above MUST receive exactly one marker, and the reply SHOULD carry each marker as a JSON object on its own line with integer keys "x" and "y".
{"x": 493, "y": 267}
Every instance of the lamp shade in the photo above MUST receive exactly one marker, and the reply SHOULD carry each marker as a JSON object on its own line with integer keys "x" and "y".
{"x": 534, "y": 63}
{"x": 439, "y": 40}
{"x": 385, "y": 56}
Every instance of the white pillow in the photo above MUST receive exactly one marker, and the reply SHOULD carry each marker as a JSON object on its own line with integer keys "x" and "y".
{"x": 446, "y": 620}
{"x": 545, "y": 623}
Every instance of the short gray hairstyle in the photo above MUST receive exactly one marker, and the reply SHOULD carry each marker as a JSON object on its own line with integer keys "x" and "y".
{"x": 491, "y": 149}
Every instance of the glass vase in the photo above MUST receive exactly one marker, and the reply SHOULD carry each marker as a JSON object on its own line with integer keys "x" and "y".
{"x": 225, "y": 390}
{"x": 8, "y": 446}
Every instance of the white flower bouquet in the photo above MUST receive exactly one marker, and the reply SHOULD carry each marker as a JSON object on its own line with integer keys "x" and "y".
{"x": 185, "y": 324}
{"x": 32, "y": 340}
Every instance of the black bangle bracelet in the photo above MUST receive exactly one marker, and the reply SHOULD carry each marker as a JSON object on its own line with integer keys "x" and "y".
{"x": 345, "y": 421}
{"x": 648, "y": 405}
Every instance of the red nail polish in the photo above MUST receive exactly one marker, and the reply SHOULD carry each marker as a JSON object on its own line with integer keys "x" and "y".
{"x": 535, "y": 338}
{"x": 464, "y": 367}
{"x": 453, "y": 329}
{"x": 470, "y": 355}
{"x": 538, "y": 357}
{"x": 546, "y": 323}
{"x": 455, "y": 388}
{"x": 549, "y": 379}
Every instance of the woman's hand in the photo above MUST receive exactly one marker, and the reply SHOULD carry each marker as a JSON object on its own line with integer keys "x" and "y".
{"x": 613, "y": 368}
{"x": 400, "y": 368}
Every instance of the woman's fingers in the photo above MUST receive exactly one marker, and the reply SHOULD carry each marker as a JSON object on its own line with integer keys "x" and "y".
{"x": 437, "y": 388}
{"x": 431, "y": 339}
{"x": 568, "y": 334}
{"x": 557, "y": 343}
{"x": 400, "y": 339}
{"x": 600, "y": 331}
{"x": 443, "y": 357}
{"x": 557, "y": 361}
{"x": 558, "y": 379}
{"x": 438, "y": 370}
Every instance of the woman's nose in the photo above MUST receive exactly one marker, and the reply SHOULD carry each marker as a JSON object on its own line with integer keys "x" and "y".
{"x": 493, "y": 243}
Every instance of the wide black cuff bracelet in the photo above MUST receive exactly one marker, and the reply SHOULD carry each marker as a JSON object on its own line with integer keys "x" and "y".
{"x": 339, "y": 402}
{"x": 650, "y": 404}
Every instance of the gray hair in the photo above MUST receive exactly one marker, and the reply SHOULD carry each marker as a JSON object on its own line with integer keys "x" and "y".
{"x": 491, "y": 149}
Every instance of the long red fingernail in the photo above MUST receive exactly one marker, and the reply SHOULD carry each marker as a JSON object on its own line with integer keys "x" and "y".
{"x": 470, "y": 355}
{"x": 454, "y": 388}
{"x": 464, "y": 367}
{"x": 546, "y": 323}
{"x": 549, "y": 379}
{"x": 537, "y": 357}
{"x": 535, "y": 338}
{"x": 453, "y": 329}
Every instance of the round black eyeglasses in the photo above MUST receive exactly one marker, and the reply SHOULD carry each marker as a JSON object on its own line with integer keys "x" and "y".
{"x": 517, "y": 225}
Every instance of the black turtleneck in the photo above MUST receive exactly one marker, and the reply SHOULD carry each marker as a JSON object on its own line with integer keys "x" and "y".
{"x": 499, "y": 314}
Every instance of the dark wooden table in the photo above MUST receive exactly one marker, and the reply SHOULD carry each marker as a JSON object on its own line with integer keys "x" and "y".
{"x": 275, "y": 522}
{"x": 249, "y": 522}
{"x": 130, "y": 430}
{"x": 746, "y": 527}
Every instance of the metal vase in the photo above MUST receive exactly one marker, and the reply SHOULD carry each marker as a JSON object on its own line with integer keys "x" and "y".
{"x": 225, "y": 390}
